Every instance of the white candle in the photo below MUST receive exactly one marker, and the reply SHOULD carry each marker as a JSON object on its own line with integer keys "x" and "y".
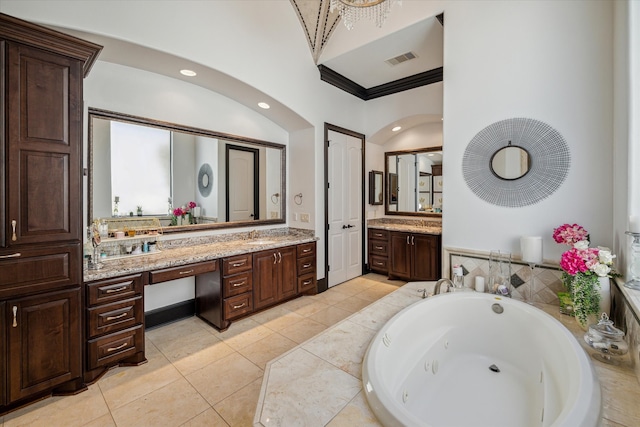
{"x": 531, "y": 247}
{"x": 634, "y": 224}
{"x": 479, "y": 284}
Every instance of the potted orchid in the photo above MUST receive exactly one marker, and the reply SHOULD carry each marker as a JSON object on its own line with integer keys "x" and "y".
{"x": 586, "y": 271}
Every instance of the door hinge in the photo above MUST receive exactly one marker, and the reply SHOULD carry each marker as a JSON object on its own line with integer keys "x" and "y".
{"x": 328, "y": 185}
{"x": 328, "y": 226}
{"x": 328, "y": 268}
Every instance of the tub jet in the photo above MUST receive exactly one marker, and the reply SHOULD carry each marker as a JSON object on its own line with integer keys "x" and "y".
{"x": 494, "y": 368}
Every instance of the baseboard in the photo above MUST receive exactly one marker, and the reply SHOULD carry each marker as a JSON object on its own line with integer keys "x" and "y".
{"x": 170, "y": 313}
{"x": 322, "y": 285}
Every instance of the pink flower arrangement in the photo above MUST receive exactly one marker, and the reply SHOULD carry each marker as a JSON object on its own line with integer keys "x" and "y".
{"x": 179, "y": 212}
{"x": 182, "y": 212}
{"x": 570, "y": 234}
{"x": 577, "y": 260}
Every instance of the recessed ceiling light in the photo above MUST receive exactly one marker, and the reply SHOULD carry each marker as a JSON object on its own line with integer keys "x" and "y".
{"x": 188, "y": 73}
{"x": 396, "y": 129}
{"x": 264, "y": 105}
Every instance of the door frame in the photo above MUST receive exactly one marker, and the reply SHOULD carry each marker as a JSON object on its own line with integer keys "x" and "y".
{"x": 324, "y": 284}
{"x": 256, "y": 170}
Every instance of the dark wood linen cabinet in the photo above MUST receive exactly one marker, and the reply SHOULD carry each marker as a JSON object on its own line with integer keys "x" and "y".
{"x": 414, "y": 256}
{"x": 41, "y": 294}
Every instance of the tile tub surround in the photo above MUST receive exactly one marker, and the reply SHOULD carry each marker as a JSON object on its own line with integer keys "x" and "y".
{"x": 182, "y": 251}
{"x": 319, "y": 382}
{"x": 425, "y": 226}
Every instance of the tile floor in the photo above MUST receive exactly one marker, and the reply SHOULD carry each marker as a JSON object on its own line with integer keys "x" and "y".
{"x": 197, "y": 376}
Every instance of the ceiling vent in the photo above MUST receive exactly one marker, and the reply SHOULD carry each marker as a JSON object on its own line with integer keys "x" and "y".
{"x": 401, "y": 58}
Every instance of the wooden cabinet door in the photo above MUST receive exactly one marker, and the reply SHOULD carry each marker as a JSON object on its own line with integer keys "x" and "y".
{"x": 44, "y": 342}
{"x": 3, "y": 352}
{"x": 44, "y": 134}
{"x": 426, "y": 257}
{"x": 265, "y": 278}
{"x": 400, "y": 256}
{"x": 288, "y": 283}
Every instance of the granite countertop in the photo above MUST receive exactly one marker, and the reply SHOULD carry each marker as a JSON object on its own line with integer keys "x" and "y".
{"x": 319, "y": 382}
{"x": 174, "y": 253}
{"x": 406, "y": 225}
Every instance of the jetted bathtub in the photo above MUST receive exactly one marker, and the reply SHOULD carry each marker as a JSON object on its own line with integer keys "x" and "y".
{"x": 473, "y": 359}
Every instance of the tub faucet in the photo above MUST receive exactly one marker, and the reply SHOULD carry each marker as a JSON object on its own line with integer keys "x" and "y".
{"x": 448, "y": 282}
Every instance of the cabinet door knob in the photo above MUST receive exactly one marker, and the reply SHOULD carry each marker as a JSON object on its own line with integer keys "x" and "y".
{"x": 13, "y": 225}
{"x": 15, "y": 316}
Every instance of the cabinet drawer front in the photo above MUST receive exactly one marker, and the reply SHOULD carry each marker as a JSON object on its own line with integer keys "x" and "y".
{"x": 378, "y": 247}
{"x": 307, "y": 282}
{"x": 113, "y": 317}
{"x": 32, "y": 270}
{"x": 238, "y": 284}
{"x": 378, "y": 234}
{"x": 307, "y": 249}
{"x": 236, "y": 264}
{"x": 112, "y": 348}
{"x": 378, "y": 263}
{"x": 116, "y": 289}
{"x": 173, "y": 273}
{"x": 238, "y": 305}
{"x": 306, "y": 266}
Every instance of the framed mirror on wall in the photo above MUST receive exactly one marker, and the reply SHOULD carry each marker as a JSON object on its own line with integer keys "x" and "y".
{"x": 159, "y": 166}
{"x": 376, "y": 188}
{"x": 414, "y": 179}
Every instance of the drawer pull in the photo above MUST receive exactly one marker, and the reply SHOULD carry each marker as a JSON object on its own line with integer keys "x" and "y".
{"x": 121, "y": 346}
{"x": 379, "y": 263}
{"x": 306, "y": 282}
{"x": 378, "y": 247}
{"x": 235, "y": 285}
{"x": 186, "y": 272}
{"x": 304, "y": 251}
{"x": 238, "y": 264}
{"x": 306, "y": 266}
{"x": 121, "y": 288}
{"x": 15, "y": 318}
{"x": 119, "y": 316}
{"x": 16, "y": 255}
{"x": 279, "y": 257}
{"x": 275, "y": 258}
{"x": 235, "y": 307}
{"x": 377, "y": 234}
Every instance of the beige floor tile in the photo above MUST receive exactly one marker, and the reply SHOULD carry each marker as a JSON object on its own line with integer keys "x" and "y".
{"x": 295, "y": 304}
{"x": 356, "y": 413}
{"x": 353, "y": 287}
{"x": 208, "y": 418}
{"x": 285, "y": 319}
{"x": 103, "y": 421}
{"x": 330, "y": 315}
{"x": 311, "y": 308}
{"x": 331, "y": 296}
{"x": 262, "y": 351}
{"x": 303, "y": 330}
{"x": 244, "y": 332}
{"x": 194, "y": 351}
{"x": 167, "y": 333}
{"x": 224, "y": 377}
{"x": 65, "y": 411}
{"x": 239, "y": 408}
{"x": 126, "y": 384}
{"x": 375, "y": 319}
{"x": 376, "y": 292}
{"x": 353, "y": 304}
{"x": 172, "y": 405}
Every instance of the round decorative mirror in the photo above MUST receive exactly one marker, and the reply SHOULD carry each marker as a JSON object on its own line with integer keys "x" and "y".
{"x": 205, "y": 175}
{"x": 510, "y": 162}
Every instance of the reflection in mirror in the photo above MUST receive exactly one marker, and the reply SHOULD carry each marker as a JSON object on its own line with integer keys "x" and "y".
{"x": 415, "y": 182}
{"x": 160, "y": 166}
{"x": 510, "y": 162}
{"x": 376, "y": 189}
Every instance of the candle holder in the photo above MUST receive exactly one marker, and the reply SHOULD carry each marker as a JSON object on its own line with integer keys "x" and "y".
{"x": 634, "y": 283}
{"x": 528, "y": 298}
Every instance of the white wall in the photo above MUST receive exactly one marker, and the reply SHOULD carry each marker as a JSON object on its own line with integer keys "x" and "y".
{"x": 183, "y": 161}
{"x": 207, "y": 148}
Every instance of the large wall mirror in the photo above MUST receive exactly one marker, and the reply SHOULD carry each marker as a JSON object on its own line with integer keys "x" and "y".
{"x": 414, "y": 182}
{"x": 140, "y": 166}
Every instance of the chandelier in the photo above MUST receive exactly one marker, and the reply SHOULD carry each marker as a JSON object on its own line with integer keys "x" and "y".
{"x": 352, "y": 10}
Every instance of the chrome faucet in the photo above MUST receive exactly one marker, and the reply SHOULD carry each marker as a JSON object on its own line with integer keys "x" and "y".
{"x": 448, "y": 282}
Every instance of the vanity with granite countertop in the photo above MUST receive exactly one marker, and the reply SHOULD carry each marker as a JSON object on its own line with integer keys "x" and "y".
{"x": 234, "y": 276}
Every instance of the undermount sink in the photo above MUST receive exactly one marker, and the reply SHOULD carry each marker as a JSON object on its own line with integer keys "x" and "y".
{"x": 261, "y": 242}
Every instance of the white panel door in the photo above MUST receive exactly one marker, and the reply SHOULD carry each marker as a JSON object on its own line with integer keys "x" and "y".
{"x": 241, "y": 180}
{"x": 344, "y": 207}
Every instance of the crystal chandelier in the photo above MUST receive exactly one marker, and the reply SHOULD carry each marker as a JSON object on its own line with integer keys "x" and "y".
{"x": 352, "y": 10}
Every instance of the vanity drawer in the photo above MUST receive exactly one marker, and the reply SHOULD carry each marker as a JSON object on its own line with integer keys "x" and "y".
{"x": 306, "y": 265}
{"x": 378, "y": 247}
{"x": 378, "y": 234}
{"x": 238, "y": 305}
{"x": 306, "y": 249}
{"x": 237, "y": 264}
{"x": 112, "y": 348}
{"x": 111, "y": 290}
{"x": 189, "y": 270}
{"x": 307, "y": 282}
{"x": 110, "y": 317}
{"x": 238, "y": 284}
{"x": 378, "y": 263}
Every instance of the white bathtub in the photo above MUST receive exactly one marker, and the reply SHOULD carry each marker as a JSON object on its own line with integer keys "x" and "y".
{"x": 430, "y": 365}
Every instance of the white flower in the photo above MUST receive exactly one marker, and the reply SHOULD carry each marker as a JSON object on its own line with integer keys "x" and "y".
{"x": 606, "y": 257}
{"x": 582, "y": 244}
{"x": 602, "y": 270}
